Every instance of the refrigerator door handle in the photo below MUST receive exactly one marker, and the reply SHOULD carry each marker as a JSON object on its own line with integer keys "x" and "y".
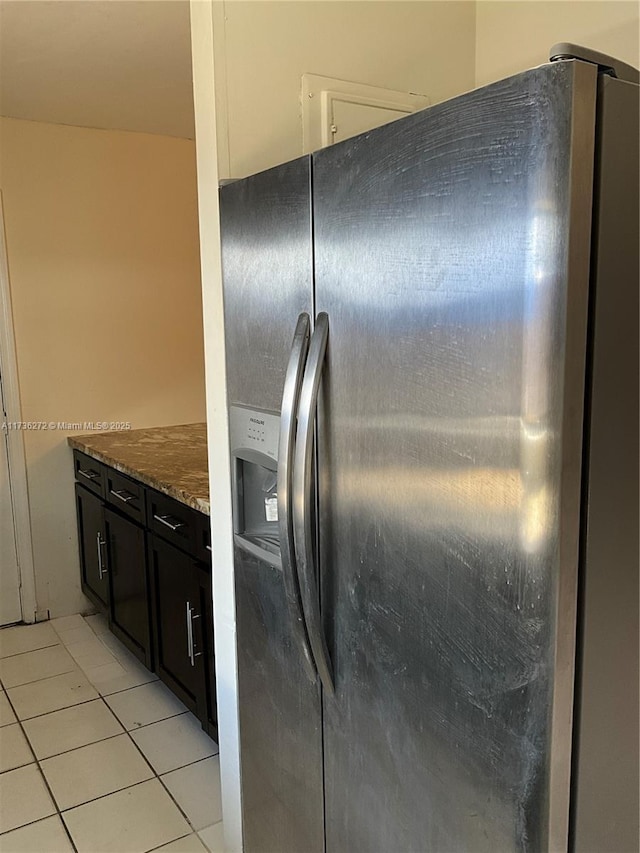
{"x": 302, "y": 500}
{"x": 290, "y": 397}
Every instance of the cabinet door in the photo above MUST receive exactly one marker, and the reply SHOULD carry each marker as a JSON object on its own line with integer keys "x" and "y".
{"x": 91, "y": 543}
{"x": 203, "y": 626}
{"x": 126, "y": 564}
{"x": 175, "y": 606}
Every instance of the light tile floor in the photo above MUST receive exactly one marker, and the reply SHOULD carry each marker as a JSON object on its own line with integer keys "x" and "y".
{"x": 96, "y": 754}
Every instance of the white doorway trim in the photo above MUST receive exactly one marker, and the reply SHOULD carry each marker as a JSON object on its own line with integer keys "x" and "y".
{"x": 204, "y": 17}
{"x": 15, "y": 442}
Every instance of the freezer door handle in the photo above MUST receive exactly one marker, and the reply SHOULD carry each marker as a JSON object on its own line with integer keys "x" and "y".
{"x": 290, "y": 397}
{"x": 303, "y": 500}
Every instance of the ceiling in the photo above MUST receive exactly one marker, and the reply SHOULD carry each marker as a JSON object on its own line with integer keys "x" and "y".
{"x": 115, "y": 64}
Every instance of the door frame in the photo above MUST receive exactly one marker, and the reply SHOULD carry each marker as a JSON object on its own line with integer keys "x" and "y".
{"x": 206, "y": 15}
{"x": 15, "y": 439}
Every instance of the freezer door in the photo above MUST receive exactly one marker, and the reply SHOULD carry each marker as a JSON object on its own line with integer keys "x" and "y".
{"x": 265, "y": 225}
{"x": 452, "y": 258}
{"x": 266, "y": 256}
{"x": 280, "y": 727}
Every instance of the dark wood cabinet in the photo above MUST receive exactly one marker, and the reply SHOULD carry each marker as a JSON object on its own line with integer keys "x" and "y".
{"x": 127, "y": 569}
{"x": 182, "y": 611}
{"x": 172, "y": 521}
{"x": 209, "y": 717}
{"x": 89, "y": 473}
{"x": 125, "y": 494}
{"x": 177, "y": 613}
{"x": 91, "y": 543}
{"x": 146, "y": 562}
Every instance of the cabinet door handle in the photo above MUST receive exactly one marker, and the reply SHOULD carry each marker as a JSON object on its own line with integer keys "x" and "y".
{"x": 101, "y": 569}
{"x": 191, "y": 652}
{"x": 208, "y": 547}
{"x": 169, "y": 521}
{"x": 122, "y": 495}
{"x": 90, "y": 475}
{"x": 189, "y": 635}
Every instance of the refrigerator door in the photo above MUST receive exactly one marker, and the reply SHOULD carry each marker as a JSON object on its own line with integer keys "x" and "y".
{"x": 452, "y": 259}
{"x": 268, "y": 283}
{"x": 606, "y": 793}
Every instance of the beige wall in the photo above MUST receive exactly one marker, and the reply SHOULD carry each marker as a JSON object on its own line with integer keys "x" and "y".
{"x": 440, "y": 49}
{"x": 102, "y": 241}
{"x": 263, "y": 49}
{"x": 513, "y": 36}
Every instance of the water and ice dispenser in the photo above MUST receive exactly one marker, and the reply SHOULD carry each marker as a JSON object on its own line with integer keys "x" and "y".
{"x": 254, "y": 458}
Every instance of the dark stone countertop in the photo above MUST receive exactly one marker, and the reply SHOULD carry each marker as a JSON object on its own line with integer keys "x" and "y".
{"x": 171, "y": 459}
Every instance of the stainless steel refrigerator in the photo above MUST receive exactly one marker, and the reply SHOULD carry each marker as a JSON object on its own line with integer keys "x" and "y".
{"x": 432, "y": 350}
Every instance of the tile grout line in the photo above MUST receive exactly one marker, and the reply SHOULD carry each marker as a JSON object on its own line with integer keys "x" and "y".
{"x": 156, "y": 775}
{"x": 195, "y": 832}
{"x": 29, "y": 651}
{"x": 159, "y": 777}
{"x": 62, "y": 812}
{"x": 44, "y": 779}
{"x": 36, "y": 760}
{"x": 100, "y": 739}
{"x": 164, "y": 787}
{"x": 84, "y": 701}
{"x": 82, "y": 746}
{"x": 160, "y": 846}
{"x": 102, "y": 697}
{"x": 64, "y": 707}
{"x": 104, "y": 796}
{"x": 36, "y": 680}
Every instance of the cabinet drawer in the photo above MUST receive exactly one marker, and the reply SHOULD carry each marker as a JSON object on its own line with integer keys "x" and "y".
{"x": 203, "y": 539}
{"x": 125, "y": 494}
{"x": 89, "y": 472}
{"x": 173, "y": 521}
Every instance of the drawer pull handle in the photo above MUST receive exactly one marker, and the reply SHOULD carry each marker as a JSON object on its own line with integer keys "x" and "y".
{"x": 90, "y": 475}
{"x": 169, "y": 521}
{"x": 122, "y": 495}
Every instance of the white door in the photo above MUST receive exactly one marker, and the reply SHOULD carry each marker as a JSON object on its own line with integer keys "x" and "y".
{"x": 10, "y": 610}
{"x": 333, "y": 110}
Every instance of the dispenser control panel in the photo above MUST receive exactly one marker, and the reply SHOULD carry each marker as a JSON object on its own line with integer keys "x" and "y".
{"x": 254, "y": 430}
{"x": 254, "y": 439}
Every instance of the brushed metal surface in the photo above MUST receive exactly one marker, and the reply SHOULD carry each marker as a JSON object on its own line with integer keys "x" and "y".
{"x": 444, "y": 253}
{"x": 606, "y": 800}
{"x": 570, "y": 481}
{"x": 280, "y": 721}
{"x": 286, "y": 446}
{"x": 268, "y": 280}
{"x": 304, "y": 501}
{"x": 267, "y": 268}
